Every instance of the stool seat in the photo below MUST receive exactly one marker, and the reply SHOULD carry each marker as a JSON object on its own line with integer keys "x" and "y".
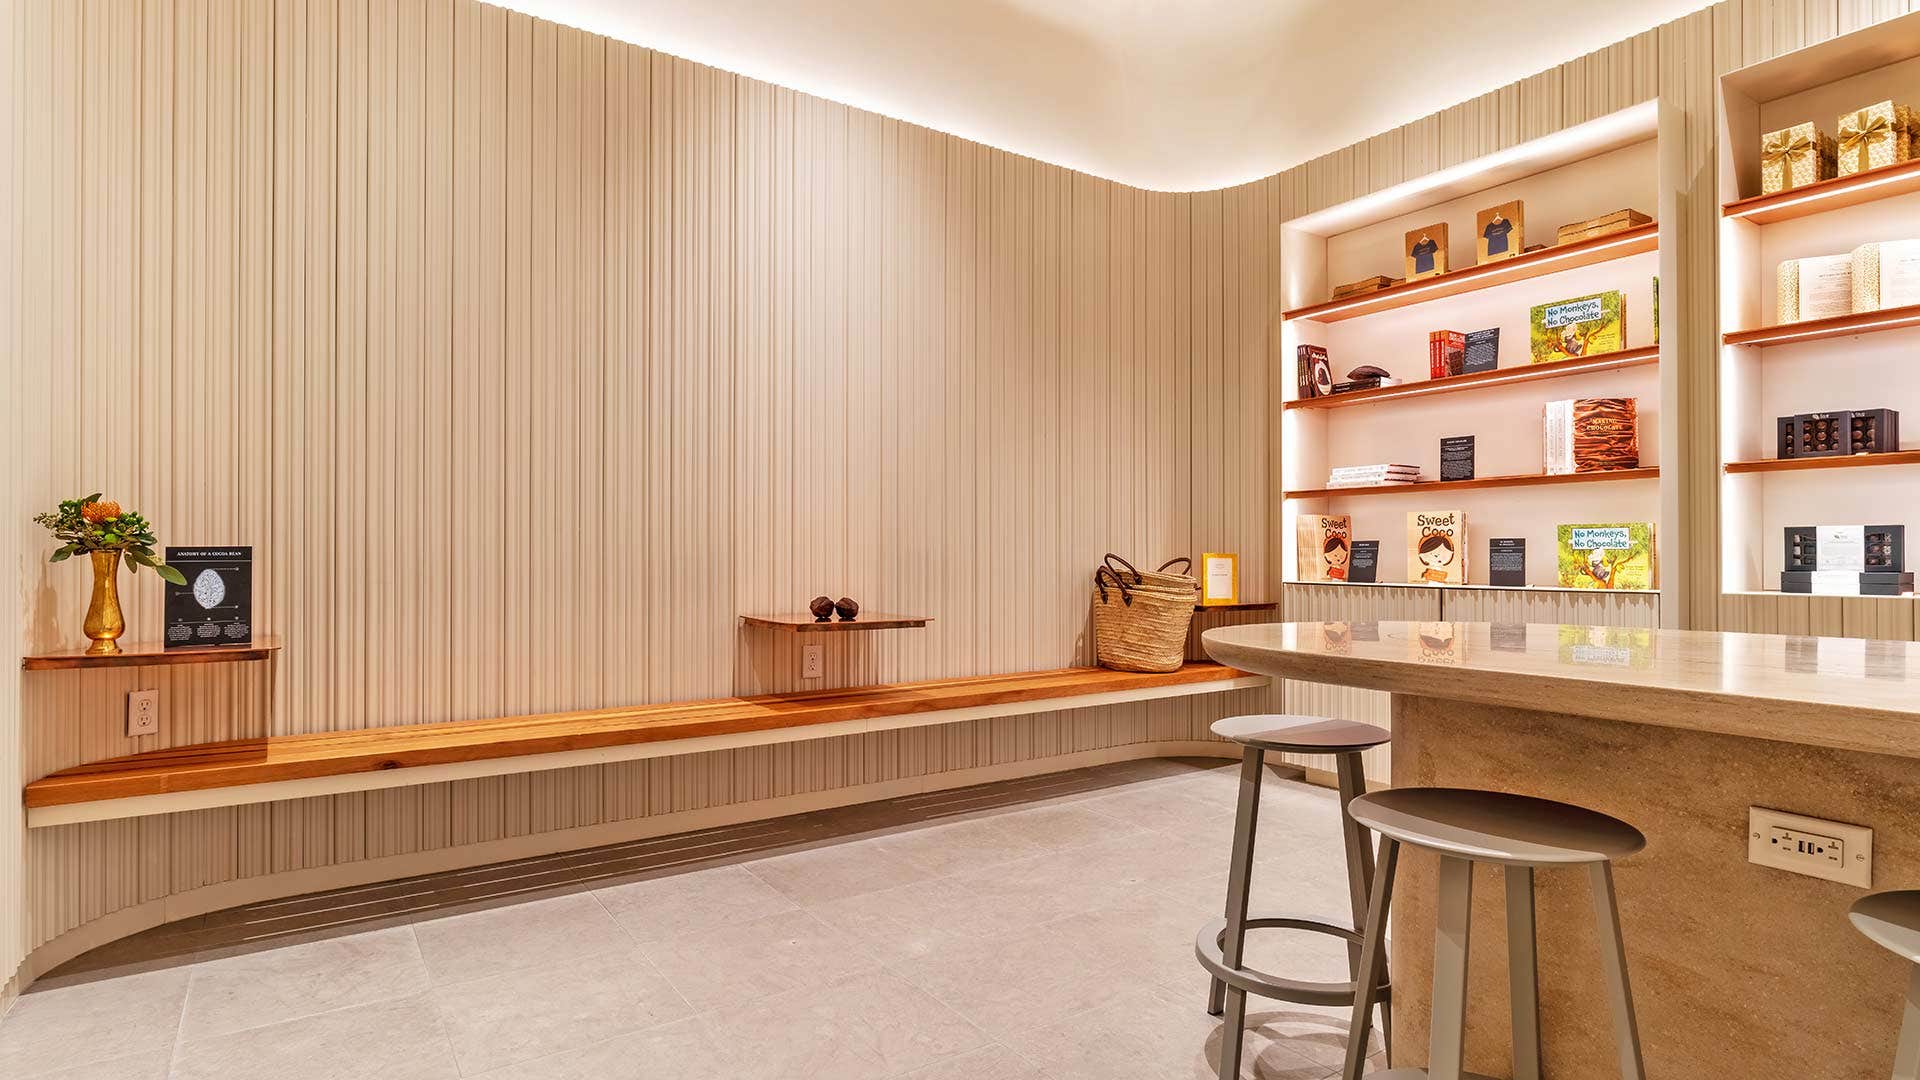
{"x": 1891, "y": 920}
{"x": 1301, "y": 734}
{"x": 1494, "y": 826}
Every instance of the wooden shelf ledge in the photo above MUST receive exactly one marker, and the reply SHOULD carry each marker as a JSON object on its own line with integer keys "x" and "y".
{"x": 1635, "y": 241}
{"x": 1485, "y": 380}
{"x": 1902, "y": 178}
{"x": 805, "y": 623}
{"x": 1250, "y": 606}
{"x": 152, "y": 654}
{"x": 1865, "y": 322}
{"x": 1527, "y": 480}
{"x": 1851, "y": 461}
{"x": 298, "y": 766}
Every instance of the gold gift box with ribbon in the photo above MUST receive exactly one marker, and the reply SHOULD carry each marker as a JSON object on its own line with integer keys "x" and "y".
{"x": 1795, "y": 157}
{"x": 1876, "y": 136}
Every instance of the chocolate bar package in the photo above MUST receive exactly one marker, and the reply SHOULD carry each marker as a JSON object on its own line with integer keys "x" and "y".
{"x": 1582, "y": 326}
{"x": 1886, "y": 274}
{"x": 1818, "y": 287}
{"x": 1615, "y": 556}
{"x": 1437, "y": 547}
{"x": 1446, "y": 354}
{"x": 1325, "y": 546}
{"x": 1591, "y": 435}
{"x": 1874, "y": 549}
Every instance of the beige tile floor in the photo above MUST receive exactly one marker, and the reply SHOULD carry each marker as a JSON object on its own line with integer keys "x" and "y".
{"x": 1035, "y": 929}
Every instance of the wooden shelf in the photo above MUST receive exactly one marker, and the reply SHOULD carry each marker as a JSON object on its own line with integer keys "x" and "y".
{"x": 1529, "y": 480}
{"x": 1484, "y": 380}
{"x": 1268, "y": 606}
{"x": 804, "y": 623}
{"x": 1552, "y": 260}
{"x": 1865, "y": 322}
{"x": 1886, "y": 182}
{"x": 1470, "y": 587}
{"x": 152, "y": 654}
{"x": 1851, "y": 461}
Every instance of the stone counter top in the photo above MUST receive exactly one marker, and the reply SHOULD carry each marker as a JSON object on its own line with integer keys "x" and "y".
{"x": 1843, "y": 693}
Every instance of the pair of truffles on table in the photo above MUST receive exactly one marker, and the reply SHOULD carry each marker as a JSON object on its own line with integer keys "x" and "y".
{"x": 824, "y": 608}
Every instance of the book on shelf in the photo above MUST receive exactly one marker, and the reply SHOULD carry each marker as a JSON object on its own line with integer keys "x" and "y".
{"x": 1373, "y": 475}
{"x": 1590, "y": 435}
{"x": 1325, "y": 546}
{"x": 1437, "y": 547}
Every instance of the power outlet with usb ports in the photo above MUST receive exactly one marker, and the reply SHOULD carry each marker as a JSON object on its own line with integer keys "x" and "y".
{"x": 1804, "y": 845}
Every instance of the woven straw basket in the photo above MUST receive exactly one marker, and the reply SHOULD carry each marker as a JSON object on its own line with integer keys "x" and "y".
{"x": 1140, "y": 618}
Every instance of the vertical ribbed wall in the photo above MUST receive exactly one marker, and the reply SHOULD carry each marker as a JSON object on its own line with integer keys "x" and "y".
{"x": 528, "y": 360}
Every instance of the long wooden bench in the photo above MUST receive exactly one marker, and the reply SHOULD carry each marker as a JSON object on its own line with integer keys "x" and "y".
{"x": 297, "y": 766}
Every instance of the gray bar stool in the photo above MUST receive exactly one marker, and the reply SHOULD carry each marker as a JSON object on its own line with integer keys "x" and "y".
{"x": 1892, "y": 920}
{"x": 1221, "y": 943}
{"x": 1520, "y": 833}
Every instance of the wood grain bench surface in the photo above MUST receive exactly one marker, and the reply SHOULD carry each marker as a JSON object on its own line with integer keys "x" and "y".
{"x": 295, "y": 757}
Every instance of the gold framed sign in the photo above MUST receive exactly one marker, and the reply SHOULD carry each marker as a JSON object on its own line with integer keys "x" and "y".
{"x": 1219, "y": 578}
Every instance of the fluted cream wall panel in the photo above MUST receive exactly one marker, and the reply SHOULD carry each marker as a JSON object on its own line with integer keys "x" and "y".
{"x": 527, "y": 361}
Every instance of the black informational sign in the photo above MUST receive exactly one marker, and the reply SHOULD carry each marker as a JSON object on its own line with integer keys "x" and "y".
{"x": 1456, "y": 457}
{"x": 1507, "y": 561}
{"x": 215, "y": 606}
{"x": 1483, "y": 351}
{"x": 1363, "y": 563}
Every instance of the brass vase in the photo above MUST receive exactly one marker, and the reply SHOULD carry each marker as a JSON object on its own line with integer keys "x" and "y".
{"x": 105, "y": 623}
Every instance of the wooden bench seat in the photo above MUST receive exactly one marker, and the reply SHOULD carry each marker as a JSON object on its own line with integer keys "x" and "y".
{"x": 295, "y": 766}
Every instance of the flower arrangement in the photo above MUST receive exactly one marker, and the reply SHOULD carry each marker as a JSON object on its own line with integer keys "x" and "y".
{"x": 84, "y": 526}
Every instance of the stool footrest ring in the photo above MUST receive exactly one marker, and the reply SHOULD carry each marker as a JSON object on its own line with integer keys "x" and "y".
{"x": 1207, "y": 947}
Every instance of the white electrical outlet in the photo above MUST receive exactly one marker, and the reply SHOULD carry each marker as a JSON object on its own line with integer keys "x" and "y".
{"x": 143, "y": 713}
{"x": 813, "y": 661}
{"x": 1804, "y": 845}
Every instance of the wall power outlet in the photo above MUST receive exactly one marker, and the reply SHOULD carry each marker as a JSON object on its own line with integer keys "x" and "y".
{"x": 143, "y": 713}
{"x": 1810, "y": 846}
{"x": 813, "y": 661}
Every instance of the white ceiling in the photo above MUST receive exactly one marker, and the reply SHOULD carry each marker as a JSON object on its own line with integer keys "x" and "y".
{"x": 1179, "y": 95}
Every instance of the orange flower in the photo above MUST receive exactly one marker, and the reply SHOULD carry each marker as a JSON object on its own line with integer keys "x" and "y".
{"x": 98, "y": 512}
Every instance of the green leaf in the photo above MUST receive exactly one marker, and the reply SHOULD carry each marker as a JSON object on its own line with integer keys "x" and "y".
{"x": 62, "y": 554}
{"x": 95, "y": 497}
{"x": 171, "y": 574}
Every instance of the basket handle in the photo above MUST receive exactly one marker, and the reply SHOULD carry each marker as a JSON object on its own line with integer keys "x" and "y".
{"x": 1111, "y": 558}
{"x": 1126, "y": 594}
{"x": 1176, "y": 559}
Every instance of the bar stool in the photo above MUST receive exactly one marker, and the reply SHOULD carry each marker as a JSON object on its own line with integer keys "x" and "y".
{"x": 1892, "y": 920}
{"x": 1520, "y": 833}
{"x": 1221, "y": 943}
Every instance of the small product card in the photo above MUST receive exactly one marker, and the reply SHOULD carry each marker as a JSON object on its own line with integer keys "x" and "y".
{"x": 1508, "y": 636}
{"x": 1507, "y": 561}
{"x": 1365, "y": 564}
{"x": 1840, "y": 547}
{"x": 1456, "y": 457}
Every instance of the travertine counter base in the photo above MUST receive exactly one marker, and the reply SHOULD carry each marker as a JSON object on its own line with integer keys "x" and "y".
{"x": 1738, "y": 970}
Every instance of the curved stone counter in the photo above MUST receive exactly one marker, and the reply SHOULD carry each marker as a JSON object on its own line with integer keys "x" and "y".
{"x": 1679, "y": 733}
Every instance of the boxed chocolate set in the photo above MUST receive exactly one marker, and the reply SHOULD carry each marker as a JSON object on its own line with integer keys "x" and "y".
{"x": 1605, "y": 224}
{"x": 1837, "y": 434}
{"x": 1591, "y": 435}
{"x": 1446, "y": 354}
{"x": 1616, "y": 556}
{"x": 1846, "y": 560}
{"x": 1875, "y": 136}
{"x": 1582, "y": 326}
{"x": 1818, "y": 287}
{"x": 1886, "y": 274}
{"x": 1325, "y": 546}
{"x": 1498, "y": 232}
{"x": 1795, "y": 157}
{"x": 1437, "y": 547}
{"x": 1316, "y": 372}
{"x": 1426, "y": 252}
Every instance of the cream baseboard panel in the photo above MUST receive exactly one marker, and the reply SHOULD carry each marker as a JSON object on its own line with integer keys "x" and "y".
{"x": 227, "y": 894}
{"x": 176, "y": 802}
